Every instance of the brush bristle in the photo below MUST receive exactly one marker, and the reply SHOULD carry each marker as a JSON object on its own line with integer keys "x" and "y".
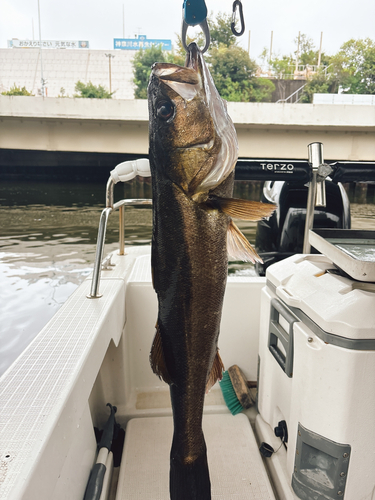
{"x": 230, "y": 397}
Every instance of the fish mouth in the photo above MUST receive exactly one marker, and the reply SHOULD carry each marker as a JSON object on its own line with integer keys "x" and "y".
{"x": 192, "y": 57}
{"x": 206, "y": 146}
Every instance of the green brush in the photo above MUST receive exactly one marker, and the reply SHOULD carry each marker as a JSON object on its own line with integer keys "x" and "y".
{"x": 236, "y": 393}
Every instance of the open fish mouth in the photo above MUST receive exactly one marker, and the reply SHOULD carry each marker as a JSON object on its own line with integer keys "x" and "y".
{"x": 192, "y": 57}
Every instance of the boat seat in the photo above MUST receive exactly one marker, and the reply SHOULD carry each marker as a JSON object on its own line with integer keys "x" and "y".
{"x": 236, "y": 468}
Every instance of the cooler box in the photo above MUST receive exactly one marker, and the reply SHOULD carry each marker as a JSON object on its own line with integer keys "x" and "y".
{"x": 317, "y": 372}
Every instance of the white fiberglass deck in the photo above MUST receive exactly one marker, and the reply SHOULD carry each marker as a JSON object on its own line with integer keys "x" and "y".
{"x": 236, "y": 468}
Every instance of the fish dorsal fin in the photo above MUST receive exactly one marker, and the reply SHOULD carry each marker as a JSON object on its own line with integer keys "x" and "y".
{"x": 216, "y": 372}
{"x": 238, "y": 246}
{"x": 157, "y": 359}
{"x": 243, "y": 209}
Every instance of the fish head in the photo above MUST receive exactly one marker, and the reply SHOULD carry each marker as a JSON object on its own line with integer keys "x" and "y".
{"x": 191, "y": 133}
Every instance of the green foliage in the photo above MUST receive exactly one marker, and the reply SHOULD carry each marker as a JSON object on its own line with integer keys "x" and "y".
{"x": 91, "y": 91}
{"x": 319, "y": 83}
{"x": 17, "y": 91}
{"x": 231, "y": 67}
{"x": 307, "y": 53}
{"x": 234, "y": 75}
{"x": 62, "y": 93}
{"x": 354, "y": 66}
{"x": 352, "y": 69}
{"x": 231, "y": 62}
{"x": 283, "y": 67}
{"x": 262, "y": 90}
{"x": 220, "y": 31}
{"x": 142, "y": 63}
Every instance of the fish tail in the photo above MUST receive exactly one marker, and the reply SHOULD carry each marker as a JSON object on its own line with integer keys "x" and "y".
{"x": 190, "y": 481}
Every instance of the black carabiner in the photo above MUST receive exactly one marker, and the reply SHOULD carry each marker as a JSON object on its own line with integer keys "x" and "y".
{"x": 237, "y": 3}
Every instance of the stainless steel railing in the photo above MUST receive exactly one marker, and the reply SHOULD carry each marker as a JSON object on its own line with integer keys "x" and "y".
{"x": 120, "y": 205}
{"x": 110, "y": 207}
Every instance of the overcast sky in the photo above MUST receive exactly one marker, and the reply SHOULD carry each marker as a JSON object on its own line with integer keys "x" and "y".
{"x": 100, "y": 22}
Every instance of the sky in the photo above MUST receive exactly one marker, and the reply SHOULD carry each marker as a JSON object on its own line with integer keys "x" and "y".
{"x": 100, "y": 22}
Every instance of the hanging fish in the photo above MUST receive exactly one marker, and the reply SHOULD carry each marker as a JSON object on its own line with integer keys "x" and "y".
{"x": 193, "y": 152}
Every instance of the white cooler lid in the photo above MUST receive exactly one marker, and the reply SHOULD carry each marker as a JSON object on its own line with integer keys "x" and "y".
{"x": 332, "y": 302}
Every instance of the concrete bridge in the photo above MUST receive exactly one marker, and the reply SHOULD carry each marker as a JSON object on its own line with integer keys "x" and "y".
{"x": 271, "y": 131}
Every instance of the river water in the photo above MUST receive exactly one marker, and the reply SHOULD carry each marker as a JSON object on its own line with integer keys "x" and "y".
{"x": 48, "y": 235}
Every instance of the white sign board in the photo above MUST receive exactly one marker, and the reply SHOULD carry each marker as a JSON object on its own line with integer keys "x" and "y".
{"x": 48, "y": 44}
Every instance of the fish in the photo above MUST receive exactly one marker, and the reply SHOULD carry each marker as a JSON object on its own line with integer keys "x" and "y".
{"x": 193, "y": 150}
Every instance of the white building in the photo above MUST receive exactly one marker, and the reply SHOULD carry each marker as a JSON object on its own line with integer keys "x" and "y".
{"x": 62, "y": 68}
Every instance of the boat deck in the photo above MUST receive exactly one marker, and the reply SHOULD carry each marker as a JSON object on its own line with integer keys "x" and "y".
{"x": 236, "y": 468}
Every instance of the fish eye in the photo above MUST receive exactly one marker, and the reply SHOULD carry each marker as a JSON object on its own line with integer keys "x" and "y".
{"x": 165, "y": 110}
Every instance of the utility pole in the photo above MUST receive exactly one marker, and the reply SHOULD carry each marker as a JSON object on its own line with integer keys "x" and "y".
{"x": 110, "y": 56}
{"x": 41, "y": 57}
{"x": 297, "y": 57}
{"x": 320, "y": 49}
{"x": 271, "y": 46}
{"x": 248, "y": 45}
{"x": 123, "y": 21}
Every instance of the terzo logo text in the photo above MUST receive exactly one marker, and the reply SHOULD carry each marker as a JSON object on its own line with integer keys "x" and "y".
{"x": 287, "y": 168}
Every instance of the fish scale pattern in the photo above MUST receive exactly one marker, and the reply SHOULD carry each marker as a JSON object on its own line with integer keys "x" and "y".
{"x": 189, "y": 252}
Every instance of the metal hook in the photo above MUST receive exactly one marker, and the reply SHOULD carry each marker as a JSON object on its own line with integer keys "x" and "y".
{"x": 237, "y": 3}
{"x": 206, "y": 32}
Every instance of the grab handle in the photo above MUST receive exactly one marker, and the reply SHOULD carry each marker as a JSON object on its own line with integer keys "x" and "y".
{"x": 278, "y": 335}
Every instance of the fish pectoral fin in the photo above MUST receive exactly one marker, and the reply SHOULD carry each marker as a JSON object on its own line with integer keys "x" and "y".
{"x": 238, "y": 246}
{"x": 243, "y": 209}
{"x": 216, "y": 372}
{"x": 157, "y": 360}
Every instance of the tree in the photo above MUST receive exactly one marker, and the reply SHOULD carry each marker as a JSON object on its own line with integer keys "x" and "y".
{"x": 91, "y": 91}
{"x": 220, "y": 34}
{"x": 262, "y": 89}
{"x": 307, "y": 55}
{"x": 17, "y": 91}
{"x": 319, "y": 83}
{"x": 281, "y": 67}
{"x": 354, "y": 66}
{"x": 220, "y": 31}
{"x": 143, "y": 61}
{"x": 284, "y": 66}
{"x": 234, "y": 75}
{"x": 352, "y": 69}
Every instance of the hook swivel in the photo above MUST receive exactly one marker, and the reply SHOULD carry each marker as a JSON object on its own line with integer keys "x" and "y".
{"x": 237, "y": 4}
